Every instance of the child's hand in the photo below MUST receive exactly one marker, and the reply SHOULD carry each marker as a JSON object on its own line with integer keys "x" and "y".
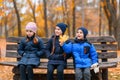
{"x": 63, "y": 39}
{"x": 94, "y": 65}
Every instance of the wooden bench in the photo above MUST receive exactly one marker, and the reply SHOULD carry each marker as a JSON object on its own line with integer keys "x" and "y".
{"x": 105, "y": 45}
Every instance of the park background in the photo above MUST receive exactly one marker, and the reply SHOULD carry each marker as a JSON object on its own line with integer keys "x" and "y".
{"x": 100, "y": 17}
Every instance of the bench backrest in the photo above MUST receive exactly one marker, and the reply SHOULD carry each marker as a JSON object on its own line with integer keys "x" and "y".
{"x": 105, "y": 45}
{"x": 12, "y": 46}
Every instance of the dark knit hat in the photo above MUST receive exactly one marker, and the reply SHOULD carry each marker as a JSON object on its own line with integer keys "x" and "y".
{"x": 84, "y": 30}
{"x": 62, "y": 26}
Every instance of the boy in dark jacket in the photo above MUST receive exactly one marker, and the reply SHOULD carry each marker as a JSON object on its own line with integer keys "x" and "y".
{"x": 55, "y": 53}
{"x": 30, "y": 49}
{"x": 84, "y": 53}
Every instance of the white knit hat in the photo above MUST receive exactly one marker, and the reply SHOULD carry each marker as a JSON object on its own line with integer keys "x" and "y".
{"x": 31, "y": 26}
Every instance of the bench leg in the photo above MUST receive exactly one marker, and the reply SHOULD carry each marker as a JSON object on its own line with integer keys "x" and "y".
{"x": 104, "y": 74}
{"x": 96, "y": 76}
{"x": 16, "y": 77}
{"x": 16, "y": 73}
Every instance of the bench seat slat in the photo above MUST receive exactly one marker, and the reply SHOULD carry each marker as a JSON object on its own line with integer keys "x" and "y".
{"x": 103, "y": 55}
{"x": 69, "y": 65}
{"x": 111, "y": 47}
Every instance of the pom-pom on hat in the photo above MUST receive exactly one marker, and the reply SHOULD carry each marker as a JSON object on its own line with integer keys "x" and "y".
{"x": 62, "y": 26}
{"x": 31, "y": 26}
{"x": 84, "y": 30}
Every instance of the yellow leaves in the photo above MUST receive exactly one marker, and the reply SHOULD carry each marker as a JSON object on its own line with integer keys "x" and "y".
{"x": 63, "y": 38}
{"x": 59, "y": 8}
{"x": 2, "y": 13}
{"x": 39, "y": 8}
{"x": 40, "y": 22}
{"x": 1, "y": 0}
{"x": 1, "y": 3}
{"x": 72, "y": 4}
{"x": 102, "y": 4}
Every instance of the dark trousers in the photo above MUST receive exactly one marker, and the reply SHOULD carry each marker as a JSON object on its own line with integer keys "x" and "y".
{"x": 26, "y": 72}
{"x": 60, "y": 71}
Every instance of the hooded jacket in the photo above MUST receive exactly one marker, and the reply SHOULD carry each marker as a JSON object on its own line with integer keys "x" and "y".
{"x": 83, "y": 52}
{"x": 57, "y": 56}
{"x": 30, "y": 53}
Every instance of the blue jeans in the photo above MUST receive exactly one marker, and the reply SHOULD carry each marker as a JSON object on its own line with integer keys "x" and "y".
{"x": 81, "y": 73}
{"x": 60, "y": 71}
{"x": 26, "y": 72}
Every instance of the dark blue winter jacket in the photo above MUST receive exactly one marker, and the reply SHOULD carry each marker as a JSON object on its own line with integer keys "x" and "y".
{"x": 30, "y": 53}
{"x": 57, "y": 56}
{"x": 83, "y": 52}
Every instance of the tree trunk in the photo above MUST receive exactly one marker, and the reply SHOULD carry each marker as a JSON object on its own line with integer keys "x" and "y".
{"x": 0, "y": 28}
{"x": 67, "y": 17}
{"x": 83, "y": 13}
{"x": 100, "y": 21}
{"x": 118, "y": 29}
{"x": 110, "y": 27}
{"x": 45, "y": 18}
{"x": 117, "y": 32}
{"x": 111, "y": 13}
{"x": 119, "y": 8}
{"x": 6, "y": 32}
{"x": 64, "y": 16}
{"x": 33, "y": 9}
{"x": 73, "y": 21}
{"x": 18, "y": 18}
{"x": 34, "y": 12}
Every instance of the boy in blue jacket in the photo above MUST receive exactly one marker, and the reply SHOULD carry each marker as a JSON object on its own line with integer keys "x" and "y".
{"x": 84, "y": 53}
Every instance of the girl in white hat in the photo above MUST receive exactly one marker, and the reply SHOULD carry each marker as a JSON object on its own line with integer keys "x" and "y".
{"x": 30, "y": 49}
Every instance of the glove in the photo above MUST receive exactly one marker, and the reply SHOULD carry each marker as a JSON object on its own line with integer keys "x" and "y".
{"x": 96, "y": 69}
{"x": 63, "y": 38}
{"x": 94, "y": 65}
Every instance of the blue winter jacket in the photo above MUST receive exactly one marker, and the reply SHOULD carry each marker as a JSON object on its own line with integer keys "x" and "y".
{"x": 57, "y": 56}
{"x": 30, "y": 53}
{"x": 83, "y": 52}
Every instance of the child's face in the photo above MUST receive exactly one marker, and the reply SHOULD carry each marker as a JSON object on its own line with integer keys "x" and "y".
{"x": 29, "y": 33}
{"x": 79, "y": 34}
{"x": 58, "y": 31}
